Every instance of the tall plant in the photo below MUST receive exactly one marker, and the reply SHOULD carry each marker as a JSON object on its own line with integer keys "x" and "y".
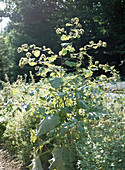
{"x": 74, "y": 102}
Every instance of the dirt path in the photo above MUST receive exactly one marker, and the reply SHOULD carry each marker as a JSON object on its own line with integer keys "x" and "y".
{"x": 7, "y": 162}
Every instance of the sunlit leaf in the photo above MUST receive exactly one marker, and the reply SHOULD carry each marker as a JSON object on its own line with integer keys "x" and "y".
{"x": 69, "y": 25}
{"x": 36, "y": 53}
{"x": 53, "y": 58}
{"x": 88, "y": 73}
{"x": 65, "y": 37}
{"x": 63, "y": 52}
{"x": 32, "y": 63}
{"x": 15, "y": 91}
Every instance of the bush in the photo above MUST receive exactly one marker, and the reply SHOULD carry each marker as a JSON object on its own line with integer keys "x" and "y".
{"x": 21, "y": 114}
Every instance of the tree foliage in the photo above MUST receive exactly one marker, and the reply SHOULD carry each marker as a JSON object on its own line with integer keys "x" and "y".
{"x": 34, "y": 22}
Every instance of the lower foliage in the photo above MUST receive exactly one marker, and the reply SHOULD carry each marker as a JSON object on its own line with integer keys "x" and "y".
{"x": 90, "y": 139}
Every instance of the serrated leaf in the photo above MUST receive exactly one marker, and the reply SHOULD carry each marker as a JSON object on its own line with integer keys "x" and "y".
{"x": 56, "y": 82}
{"x": 48, "y": 124}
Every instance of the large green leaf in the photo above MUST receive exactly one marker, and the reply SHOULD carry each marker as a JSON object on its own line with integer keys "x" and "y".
{"x": 56, "y": 82}
{"x": 48, "y": 124}
{"x": 70, "y": 63}
{"x": 82, "y": 104}
{"x": 37, "y": 164}
{"x": 64, "y": 159}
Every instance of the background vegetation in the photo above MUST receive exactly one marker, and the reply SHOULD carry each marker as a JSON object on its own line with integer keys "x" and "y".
{"x": 35, "y": 22}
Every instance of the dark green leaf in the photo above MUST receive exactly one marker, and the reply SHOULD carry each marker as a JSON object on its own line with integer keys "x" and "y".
{"x": 56, "y": 82}
{"x": 70, "y": 63}
{"x": 64, "y": 159}
{"x": 48, "y": 124}
{"x": 82, "y": 104}
{"x": 37, "y": 164}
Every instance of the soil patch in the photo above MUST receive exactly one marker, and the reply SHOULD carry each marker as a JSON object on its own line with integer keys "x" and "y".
{"x": 7, "y": 162}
